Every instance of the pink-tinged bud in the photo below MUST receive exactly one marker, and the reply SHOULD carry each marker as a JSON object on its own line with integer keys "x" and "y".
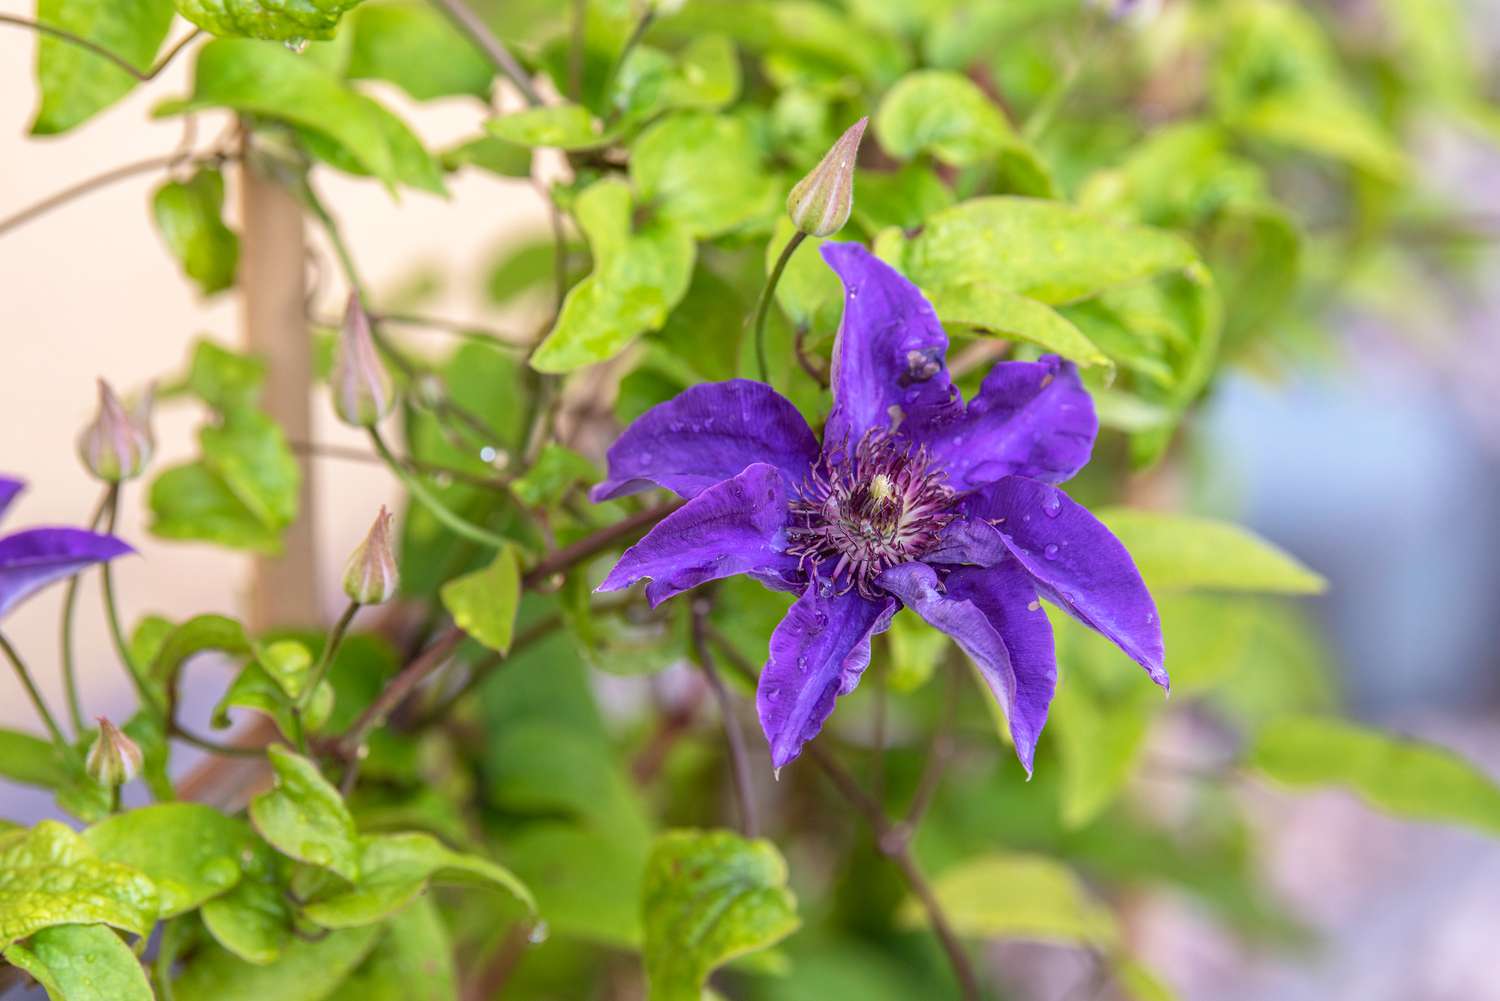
{"x": 362, "y": 391}
{"x": 819, "y": 204}
{"x": 371, "y": 576}
{"x": 118, "y": 444}
{"x": 114, "y": 759}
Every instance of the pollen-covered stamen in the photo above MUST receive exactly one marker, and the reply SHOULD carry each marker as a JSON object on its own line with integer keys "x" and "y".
{"x": 878, "y": 507}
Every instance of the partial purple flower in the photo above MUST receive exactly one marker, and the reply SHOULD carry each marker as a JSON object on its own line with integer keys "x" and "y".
{"x": 913, "y": 499}
{"x": 35, "y": 557}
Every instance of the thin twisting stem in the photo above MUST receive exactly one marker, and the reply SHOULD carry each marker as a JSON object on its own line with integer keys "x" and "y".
{"x": 101, "y": 51}
{"x": 33, "y": 692}
{"x": 103, "y": 180}
{"x": 320, "y": 671}
{"x": 739, "y": 759}
{"x": 431, "y": 501}
{"x": 764, "y": 303}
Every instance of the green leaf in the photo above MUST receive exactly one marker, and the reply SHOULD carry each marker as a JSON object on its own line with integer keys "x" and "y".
{"x": 242, "y": 493}
{"x": 555, "y": 471}
{"x": 289, "y": 664}
{"x": 904, "y": 198}
{"x": 31, "y": 761}
{"x": 52, "y": 877}
{"x": 483, "y": 603}
{"x": 916, "y": 650}
{"x": 638, "y": 278}
{"x": 411, "y": 164}
{"x": 262, "y": 78}
{"x": 305, "y": 818}
{"x": 226, "y": 380}
{"x": 563, "y": 126}
{"x": 1404, "y": 777}
{"x": 707, "y": 75}
{"x": 1015, "y": 317}
{"x": 75, "y": 83}
{"x": 305, "y": 970}
{"x": 709, "y": 897}
{"x": 82, "y": 963}
{"x": 412, "y": 962}
{"x": 190, "y": 216}
{"x": 587, "y": 880}
{"x": 1180, "y": 552}
{"x": 417, "y": 49}
{"x": 1018, "y": 896}
{"x": 190, "y": 851}
{"x": 255, "y": 689}
{"x": 273, "y": 19}
{"x": 254, "y": 920}
{"x": 146, "y": 729}
{"x": 701, "y": 172}
{"x": 396, "y": 868}
{"x": 942, "y": 113}
{"x": 1041, "y": 249}
{"x": 197, "y": 635}
{"x": 498, "y": 157}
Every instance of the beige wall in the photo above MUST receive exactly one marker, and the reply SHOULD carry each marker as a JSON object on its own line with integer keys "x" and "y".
{"x": 89, "y": 290}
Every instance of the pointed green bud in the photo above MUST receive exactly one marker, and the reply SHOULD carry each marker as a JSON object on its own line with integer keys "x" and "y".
{"x": 362, "y": 391}
{"x": 819, "y": 204}
{"x": 371, "y": 576}
{"x": 118, "y": 444}
{"x": 114, "y": 758}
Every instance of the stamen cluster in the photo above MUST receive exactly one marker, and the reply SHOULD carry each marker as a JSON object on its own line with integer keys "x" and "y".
{"x": 867, "y": 510}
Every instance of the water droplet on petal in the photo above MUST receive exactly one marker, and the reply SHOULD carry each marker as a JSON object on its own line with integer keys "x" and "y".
{"x": 802, "y": 664}
{"x": 1051, "y": 504}
{"x": 1051, "y": 551}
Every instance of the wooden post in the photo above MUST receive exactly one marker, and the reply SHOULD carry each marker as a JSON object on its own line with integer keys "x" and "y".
{"x": 273, "y": 253}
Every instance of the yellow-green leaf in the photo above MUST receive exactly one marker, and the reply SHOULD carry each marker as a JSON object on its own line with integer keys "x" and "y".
{"x": 305, "y": 818}
{"x": 1182, "y": 552}
{"x": 1019, "y": 896}
{"x": 483, "y": 603}
{"x": 190, "y": 851}
{"x": 52, "y": 877}
{"x": 82, "y": 963}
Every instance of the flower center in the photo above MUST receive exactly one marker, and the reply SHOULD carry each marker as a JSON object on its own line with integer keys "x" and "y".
{"x": 865, "y": 511}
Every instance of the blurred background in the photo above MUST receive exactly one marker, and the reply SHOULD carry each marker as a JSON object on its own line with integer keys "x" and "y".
{"x": 1378, "y": 464}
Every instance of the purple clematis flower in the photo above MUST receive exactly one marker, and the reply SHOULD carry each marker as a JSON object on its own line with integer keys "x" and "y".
{"x": 35, "y": 557}
{"x": 913, "y": 499}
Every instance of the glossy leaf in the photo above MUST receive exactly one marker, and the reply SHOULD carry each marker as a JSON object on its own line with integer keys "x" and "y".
{"x": 305, "y": 818}
{"x": 253, "y": 920}
{"x": 483, "y": 603}
{"x": 702, "y": 173}
{"x": 1018, "y": 896}
{"x": 419, "y": 50}
{"x": 1178, "y": 552}
{"x": 942, "y": 113}
{"x": 1404, "y": 777}
{"x": 52, "y": 877}
{"x": 562, "y": 126}
{"x": 273, "y": 19}
{"x": 1014, "y": 317}
{"x": 197, "y": 635}
{"x": 190, "y": 216}
{"x": 395, "y": 868}
{"x": 1043, "y": 250}
{"x": 305, "y": 970}
{"x": 638, "y": 277}
{"x": 709, "y": 897}
{"x": 190, "y": 851}
{"x": 82, "y": 963}
{"x": 413, "y": 961}
{"x": 75, "y": 83}
{"x": 224, "y": 379}
{"x": 31, "y": 760}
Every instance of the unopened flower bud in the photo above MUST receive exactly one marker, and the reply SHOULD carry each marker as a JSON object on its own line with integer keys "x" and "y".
{"x": 362, "y": 391}
{"x": 371, "y": 576}
{"x": 117, "y": 445}
{"x": 114, "y": 759}
{"x": 819, "y": 204}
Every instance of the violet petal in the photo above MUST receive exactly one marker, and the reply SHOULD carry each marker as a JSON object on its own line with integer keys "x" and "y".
{"x": 32, "y": 559}
{"x": 706, "y": 435}
{"x": 818, "y": 653}
{"x": 1028, "y": 419}
{"x": 1077, "y": 563}
{"x": 9, "y": 488}
{"x": 992, "y": 614}
{"x": 889, "y": 361}
{"x": 737, "y": 526}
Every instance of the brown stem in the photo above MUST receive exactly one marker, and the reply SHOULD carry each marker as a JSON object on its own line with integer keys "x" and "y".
{"x": 939, "y": 753}
{"x": 895, "y": 844}
{"x": 104, "y": 180}
{"x": 739, "y": 759}
{"x": 591, "y": 545}
{"x": 101, "y": 51}
{"x": 480, "y": 34}
{"x": 818, "y": 372}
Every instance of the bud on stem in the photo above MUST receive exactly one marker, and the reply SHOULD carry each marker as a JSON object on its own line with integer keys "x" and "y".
{"x": 114, "y": 758}
{"x": 362, "y": 390}
{"x": 819, "y": 203}
{"x": 371, "y": 577}
{"x": 117, "y": 445}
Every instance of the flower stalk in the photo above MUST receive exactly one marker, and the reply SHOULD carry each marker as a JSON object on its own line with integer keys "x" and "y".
{"x": 23, "y": 674}
{"x": 764, "y": 302}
